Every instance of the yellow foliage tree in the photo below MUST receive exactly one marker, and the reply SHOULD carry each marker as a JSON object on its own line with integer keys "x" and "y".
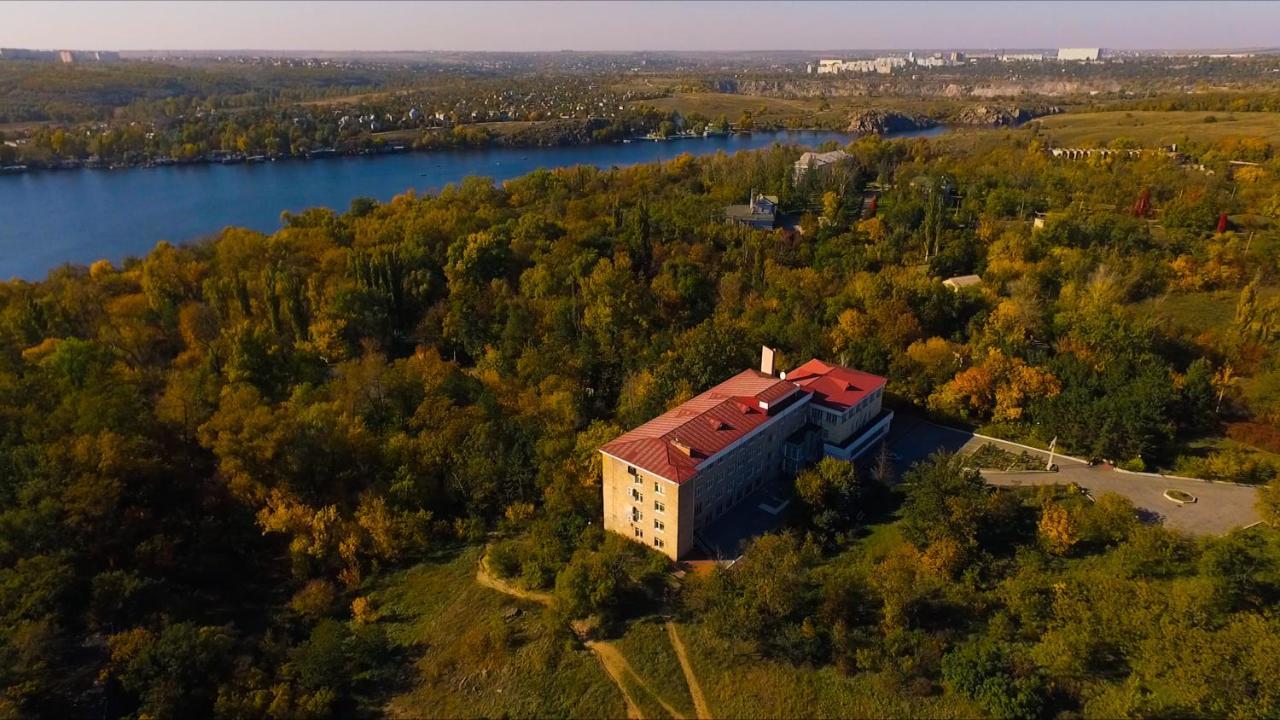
{"x": 1058, "y": 529}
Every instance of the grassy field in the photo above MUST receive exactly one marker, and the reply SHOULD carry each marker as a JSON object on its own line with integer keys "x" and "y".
{"x": 475, "y": 663}
{"x": 1154, "y": 128}
{"x": 1196, "y": 312}
{"x": 648, "y": 650}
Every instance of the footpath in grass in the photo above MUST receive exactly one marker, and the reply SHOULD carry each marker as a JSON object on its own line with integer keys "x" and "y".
{"x": 483, "y": 654}
{"x": 648, "y": 650}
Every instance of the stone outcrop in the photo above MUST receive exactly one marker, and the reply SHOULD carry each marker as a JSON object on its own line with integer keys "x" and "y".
{"x": 879, "y": 122}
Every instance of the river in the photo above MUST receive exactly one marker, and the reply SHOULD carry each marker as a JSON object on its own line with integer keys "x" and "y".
{"x": 78, "y": 216}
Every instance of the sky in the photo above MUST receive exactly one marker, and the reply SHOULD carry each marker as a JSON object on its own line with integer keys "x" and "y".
{"x": 526, "y": 26}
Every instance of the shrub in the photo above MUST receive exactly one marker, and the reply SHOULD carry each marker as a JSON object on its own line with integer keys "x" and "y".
{"x": 981, "y": 671}
{"x": 503, "y": 559}
{"x": 315, "y": 599}
{"x": 1134, "y": 464}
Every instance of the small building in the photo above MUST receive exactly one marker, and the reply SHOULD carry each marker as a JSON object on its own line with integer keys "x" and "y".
{"x": 818, "y": 161}
{"x": 761, "y": 213}
{"x": 673, "y": 476}
{"x": 962, "y": 281}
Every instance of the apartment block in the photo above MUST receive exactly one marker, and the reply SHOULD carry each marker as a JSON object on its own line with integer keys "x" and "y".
{"x": 684, "y": 469}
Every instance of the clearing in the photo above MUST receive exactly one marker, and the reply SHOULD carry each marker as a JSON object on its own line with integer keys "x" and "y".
{"x": 1196, "y": 312}
{"x": 483, "y": 654}
{"x": 639, "y": 690}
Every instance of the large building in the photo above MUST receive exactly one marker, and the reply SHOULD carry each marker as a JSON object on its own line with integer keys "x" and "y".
{"x": 1079, "y": 54}
{"x": 679, "y": 472}
{"x": 812, "y": 161}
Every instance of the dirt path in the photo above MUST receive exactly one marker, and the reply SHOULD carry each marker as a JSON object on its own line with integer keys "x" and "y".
{"x": 617, "y": 667}
{"x": 695, "y": 688}
{"x": 489, "y": 580}
{"x": 613, "y": 662}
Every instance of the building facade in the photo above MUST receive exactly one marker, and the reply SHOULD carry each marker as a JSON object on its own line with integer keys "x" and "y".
{"x": 679, "y": 472}
{"x": 817, "y": 162}
{"x": 1079, "y": 54}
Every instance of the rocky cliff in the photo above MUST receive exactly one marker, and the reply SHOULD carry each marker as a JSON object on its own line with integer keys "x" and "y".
{"x": 878, "y": 122}
{"x": 998, "y": 115}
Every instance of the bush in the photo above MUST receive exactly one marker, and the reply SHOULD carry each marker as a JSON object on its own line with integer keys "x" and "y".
{"x": 1135, "y": 464}
{"x": 315, "y": 599}
{"x": 503, "y": 560}
{"x": 981, "y": 671}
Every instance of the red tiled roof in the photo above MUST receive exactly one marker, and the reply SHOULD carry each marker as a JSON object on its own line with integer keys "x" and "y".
{"x": 705, "y": 424}
{"x": 839, "y": 388}
{"x": 717, "y": 418}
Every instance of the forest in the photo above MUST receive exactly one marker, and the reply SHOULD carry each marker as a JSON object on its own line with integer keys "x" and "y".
{"x": 234, "y": 471}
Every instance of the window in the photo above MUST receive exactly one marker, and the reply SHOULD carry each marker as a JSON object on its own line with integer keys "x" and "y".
{"x": 635, "y": 515}
{"x": 637, "y": 479}
{"x": 697, "y": 508}
{"x": 631, "y": 469}
{"x": 639, "y": 533}
{"x": 635, "y": 495}
{"x": 657, "y": 542}
{"x": 659, "y": 525}
{"x": 659, "y": 506}
{"x": 657, "y": 487}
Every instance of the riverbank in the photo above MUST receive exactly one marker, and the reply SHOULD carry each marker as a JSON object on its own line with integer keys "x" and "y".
{"x": 514, "y": 140}
{"x": 52, "y": 218}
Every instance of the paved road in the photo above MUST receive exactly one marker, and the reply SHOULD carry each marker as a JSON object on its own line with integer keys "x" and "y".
{"x": 1220, "y": 508}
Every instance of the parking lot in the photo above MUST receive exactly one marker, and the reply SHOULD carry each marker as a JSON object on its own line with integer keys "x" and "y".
{"x": 1219, "y": 507}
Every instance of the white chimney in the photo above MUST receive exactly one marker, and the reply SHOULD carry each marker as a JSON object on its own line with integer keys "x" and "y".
{"x": 766, "y": 360}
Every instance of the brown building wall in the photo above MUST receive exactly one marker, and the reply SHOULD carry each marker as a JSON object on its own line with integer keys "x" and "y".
{"x": 676, "y": 516}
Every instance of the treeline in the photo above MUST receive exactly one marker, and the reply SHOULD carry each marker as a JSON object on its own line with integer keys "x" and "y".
{"x": 210, "y": 452}
{"x": 39, "y": 92}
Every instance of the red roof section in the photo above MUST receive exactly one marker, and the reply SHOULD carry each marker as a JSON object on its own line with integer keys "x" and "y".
{"x": 838, "y": 388}
{"x": 705, "y": 425}
{"x": 717, "y": 418}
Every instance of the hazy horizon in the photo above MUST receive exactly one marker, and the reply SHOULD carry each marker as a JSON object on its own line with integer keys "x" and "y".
{"x": 634, "y": 26}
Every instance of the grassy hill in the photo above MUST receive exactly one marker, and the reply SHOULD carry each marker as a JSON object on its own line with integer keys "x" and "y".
{"x": 472, "y": 661}
{"x": 1153, "y": 128}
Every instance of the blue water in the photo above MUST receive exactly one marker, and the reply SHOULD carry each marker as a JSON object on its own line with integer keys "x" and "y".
{"x": 78, "y": 216}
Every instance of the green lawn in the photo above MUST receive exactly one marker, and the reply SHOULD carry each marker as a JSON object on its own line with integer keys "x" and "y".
{"x": 1152, "y": 128}
{"x": 472, "y": 662}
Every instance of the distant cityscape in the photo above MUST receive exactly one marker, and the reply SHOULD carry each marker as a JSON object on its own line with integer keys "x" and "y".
{"x": 838, "y": 62}
{"x": 887, "y": 64}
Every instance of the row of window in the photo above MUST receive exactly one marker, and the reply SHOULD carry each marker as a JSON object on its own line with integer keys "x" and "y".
{"x": 637, "y": 479}
{"x": 657, "y": 541}
{"x": 658, "y": 505}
